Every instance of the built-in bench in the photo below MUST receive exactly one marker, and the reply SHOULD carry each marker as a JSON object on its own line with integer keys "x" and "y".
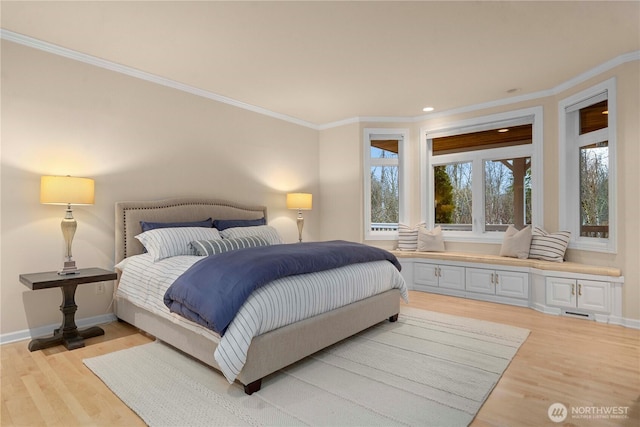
{"x": 568, "y": 267}
{"x": 563, "y": 288}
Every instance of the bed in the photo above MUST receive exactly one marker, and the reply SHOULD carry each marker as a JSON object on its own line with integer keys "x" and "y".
{"x": 267, "y": 352}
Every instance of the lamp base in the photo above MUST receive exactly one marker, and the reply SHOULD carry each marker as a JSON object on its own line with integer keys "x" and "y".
{"x": 69, "y": 268}
{"x": 300, "y": 222}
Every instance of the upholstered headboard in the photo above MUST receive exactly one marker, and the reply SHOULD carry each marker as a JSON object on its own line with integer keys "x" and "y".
{"x": 129, "y": 215}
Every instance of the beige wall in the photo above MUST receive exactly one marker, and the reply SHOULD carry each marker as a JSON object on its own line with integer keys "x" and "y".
{"x": 138, "y": 140}
{"x": 341, "y": 183}
{"x": 628, "y": 97}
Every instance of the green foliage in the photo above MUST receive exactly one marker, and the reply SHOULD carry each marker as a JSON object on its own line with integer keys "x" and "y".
{"x": 444, "y": 203}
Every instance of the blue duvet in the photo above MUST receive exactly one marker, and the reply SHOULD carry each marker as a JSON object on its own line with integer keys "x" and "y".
{"x": 212, "y": 291}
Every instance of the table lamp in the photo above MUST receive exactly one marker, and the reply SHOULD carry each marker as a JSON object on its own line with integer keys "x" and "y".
{"x": 67, "y": 190}
{"x": 301, "y": 202}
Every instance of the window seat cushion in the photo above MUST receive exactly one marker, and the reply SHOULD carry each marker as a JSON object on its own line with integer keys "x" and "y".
{"x": 570, "y": 267}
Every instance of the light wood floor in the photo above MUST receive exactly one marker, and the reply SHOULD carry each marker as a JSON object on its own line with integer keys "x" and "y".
{"x": 572, "y": 361}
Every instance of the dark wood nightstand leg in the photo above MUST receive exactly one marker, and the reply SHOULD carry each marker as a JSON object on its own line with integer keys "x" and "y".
{"x": 68, "y": 333}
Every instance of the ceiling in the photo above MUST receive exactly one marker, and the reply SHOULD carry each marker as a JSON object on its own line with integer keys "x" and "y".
{"x": 323, "y": 62}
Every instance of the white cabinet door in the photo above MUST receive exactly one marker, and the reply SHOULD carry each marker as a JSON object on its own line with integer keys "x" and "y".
{"x": 480, "y": 280}
{"x": 512, "y": 284}
{"x": 593, "y": 295}
{"x": 561, "y": 292}
{"x": 585, "y": 294}
{"x": 451, "y": 277}
{"x": 444, "y": 276}
{"x": 425, "y": 274}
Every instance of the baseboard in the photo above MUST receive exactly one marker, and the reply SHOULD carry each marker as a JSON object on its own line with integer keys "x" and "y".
{"x": 612, "y": 320}
{"x": 629, "y": 323}
{"x": 545, "y": 309}
{"x": 47, "y": 330}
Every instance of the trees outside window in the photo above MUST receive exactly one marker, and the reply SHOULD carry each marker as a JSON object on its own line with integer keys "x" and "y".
{"x": 454, "y": 196}
{"x": 384, "y": 183}
{"x": 507, "y": 197}
{"x": 587, "y": 125}
{"x": 384, "y": 191}
{"x": 594, "y": 190}
{"x": 480, "y": 175}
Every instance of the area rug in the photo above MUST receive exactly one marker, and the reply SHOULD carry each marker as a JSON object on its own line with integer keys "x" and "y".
{"x": 426, "y": 369}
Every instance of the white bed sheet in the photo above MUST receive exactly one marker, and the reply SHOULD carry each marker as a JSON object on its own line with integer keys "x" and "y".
{"x": 282, "y": 302}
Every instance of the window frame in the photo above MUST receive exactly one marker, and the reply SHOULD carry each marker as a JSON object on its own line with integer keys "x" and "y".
{"x": 569, "y": 144}
{"x": 533, "y": 116}
{"x": 370, "y": 134}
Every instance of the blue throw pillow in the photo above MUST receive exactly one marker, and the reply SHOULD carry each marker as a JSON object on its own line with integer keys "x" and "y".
{"x": 222, "y": 224}
{"x": 146, "y": 226}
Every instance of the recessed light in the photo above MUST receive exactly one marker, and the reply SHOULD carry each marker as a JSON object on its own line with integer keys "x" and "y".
{"x": 503, "y": 130}
{"x": 427, "y": 109}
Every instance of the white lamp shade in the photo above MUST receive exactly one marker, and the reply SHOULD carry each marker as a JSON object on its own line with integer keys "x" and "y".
{"x": 63, "y": 190}
{"x": 301, "y": 201}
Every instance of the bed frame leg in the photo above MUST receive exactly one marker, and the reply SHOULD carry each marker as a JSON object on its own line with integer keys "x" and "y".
{"x": 393, "y": 318}
{"x": 253, "y": 387}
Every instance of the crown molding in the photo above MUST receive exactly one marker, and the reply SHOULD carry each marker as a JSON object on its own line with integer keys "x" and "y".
{"x": 596, "y": 71}
{"x": 143, "y": 75}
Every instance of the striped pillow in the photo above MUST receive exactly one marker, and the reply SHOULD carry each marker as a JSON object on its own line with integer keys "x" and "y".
{"x": 408, "y": 237}
{"x": 213, "y": 247}
{"x": 549, "y": 246}
{"x": 267, "y": 232}
{"x": 167, "y": 242}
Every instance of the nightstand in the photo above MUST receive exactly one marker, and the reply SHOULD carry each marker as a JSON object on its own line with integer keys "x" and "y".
{"x": 68, "y": 333}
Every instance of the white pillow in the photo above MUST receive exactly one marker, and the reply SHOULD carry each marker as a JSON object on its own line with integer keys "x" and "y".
{"x": 408, "y": 237}
{"x": 167, "y": 242}
{"x": 516, "y": 243}
{"x": 549, "y": 246}
{"x": 430, "y": 240}
{"x": 267, "y": 232}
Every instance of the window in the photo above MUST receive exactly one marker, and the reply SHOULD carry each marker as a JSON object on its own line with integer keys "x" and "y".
{"x": 384, "y": 183}
{"x": 507, "y": 193}
{"x": 594, "y": 190}
{"x": 479, "y": 176}
{"x": 453, "y": 195}
{"x": 587, "y": 153}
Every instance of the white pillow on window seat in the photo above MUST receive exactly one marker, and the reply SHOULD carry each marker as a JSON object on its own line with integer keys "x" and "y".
{"x": 516, "y": 242}
{"x": 430, "y": 240}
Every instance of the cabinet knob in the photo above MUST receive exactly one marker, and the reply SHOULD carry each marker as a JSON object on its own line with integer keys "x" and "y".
{"x": 579, "y": 289}
{"x": 573, "y": 289}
